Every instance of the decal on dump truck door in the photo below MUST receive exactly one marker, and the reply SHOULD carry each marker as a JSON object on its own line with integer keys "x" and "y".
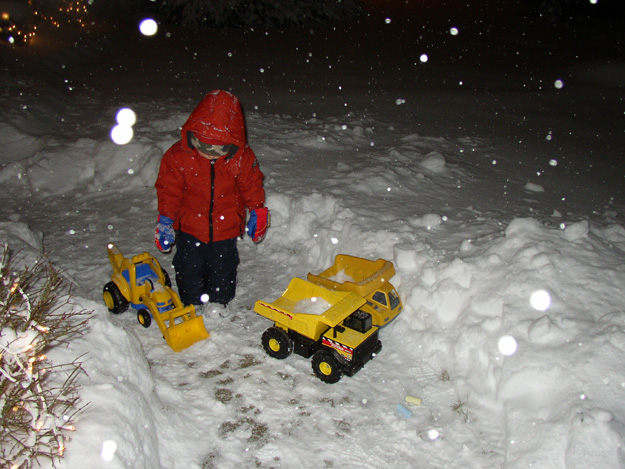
{"x": 347, "y": 352}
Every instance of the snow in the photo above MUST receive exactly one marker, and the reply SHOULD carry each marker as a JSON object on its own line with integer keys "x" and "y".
{"x": 497, "y": 196}
{"x": 312, "y": 305}
{"x": 341, "y": 277}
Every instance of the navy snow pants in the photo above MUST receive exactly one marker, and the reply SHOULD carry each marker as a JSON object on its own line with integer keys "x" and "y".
{"x": 205, "y": 272}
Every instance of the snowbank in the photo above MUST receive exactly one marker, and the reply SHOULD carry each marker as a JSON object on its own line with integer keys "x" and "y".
{"x": 551, "y": 399}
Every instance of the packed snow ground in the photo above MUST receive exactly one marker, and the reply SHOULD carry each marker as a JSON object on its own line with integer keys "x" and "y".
{"x": 476, "y": 217}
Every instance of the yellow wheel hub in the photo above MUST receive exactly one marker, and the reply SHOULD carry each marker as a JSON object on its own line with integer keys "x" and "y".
{"x": 274, "y": 345}
{"x": 108, "y": 299}
{"x": 325, "y": 368}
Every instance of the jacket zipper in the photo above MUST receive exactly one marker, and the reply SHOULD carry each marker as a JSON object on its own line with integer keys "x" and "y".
{"x": 210, "y": 210}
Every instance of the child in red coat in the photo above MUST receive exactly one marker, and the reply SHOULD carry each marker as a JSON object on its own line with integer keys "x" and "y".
{"x": 206, "y": 182}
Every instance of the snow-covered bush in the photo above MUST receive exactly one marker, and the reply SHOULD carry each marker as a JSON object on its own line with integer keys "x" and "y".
{"x": 231, "y": 13}
{"x": 38, "y": 399}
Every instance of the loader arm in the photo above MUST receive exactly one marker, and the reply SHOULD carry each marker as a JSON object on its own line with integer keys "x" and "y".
{"x": 180, "y": 325}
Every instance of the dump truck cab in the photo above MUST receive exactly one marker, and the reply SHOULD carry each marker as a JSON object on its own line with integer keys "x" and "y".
{"x": 369, "y": 279}
{"x": 328, "y": 325}
{"x": 384, "y": 304}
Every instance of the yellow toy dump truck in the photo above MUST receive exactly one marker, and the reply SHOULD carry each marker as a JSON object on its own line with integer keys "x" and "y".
{"x": 142, "y": 283}
{"x": 369, "y": 279}
{"x": 311, "y": 320}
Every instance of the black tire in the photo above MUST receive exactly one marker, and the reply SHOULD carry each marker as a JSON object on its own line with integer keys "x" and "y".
{"x": 326, "y": 367}
{"x": 144, "y": 318}
{"x": 277, "y": 343}
{"x": 114, "y": 299}
{"x": 166, "y": 277}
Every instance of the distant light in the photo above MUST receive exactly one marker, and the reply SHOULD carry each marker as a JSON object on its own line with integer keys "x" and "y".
{"x": 423, "y": 58}
{"x": 126, "y": 116}
{"x": 387, "y": 21}
{"x": 540, "y": 300}
{"x": 507, "y": 345}
{"x": 453, "y": 31}
{"x": 148, "y": 27}
{"x": 121, "y": 134}
{"x": 558, "y": 84}
{"x": 433, "y": 434}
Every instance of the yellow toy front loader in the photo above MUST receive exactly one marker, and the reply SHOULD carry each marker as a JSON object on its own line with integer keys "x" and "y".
{"x": 142, "y": 283}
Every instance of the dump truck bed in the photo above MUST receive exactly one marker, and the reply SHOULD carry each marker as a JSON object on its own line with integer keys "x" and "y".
{"x": 355, "y": 274}
{"x": 310, "y": 309}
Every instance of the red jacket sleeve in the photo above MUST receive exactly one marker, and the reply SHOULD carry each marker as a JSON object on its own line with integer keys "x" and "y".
{"x": 250, "y": 180}
{"x": 170, "y": 183}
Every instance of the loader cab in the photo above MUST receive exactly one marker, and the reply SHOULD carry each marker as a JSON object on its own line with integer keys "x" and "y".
{"x": 143, "y": 273}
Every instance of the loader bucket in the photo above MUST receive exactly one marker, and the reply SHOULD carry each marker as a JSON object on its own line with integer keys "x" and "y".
{"x": 183, "y": 335}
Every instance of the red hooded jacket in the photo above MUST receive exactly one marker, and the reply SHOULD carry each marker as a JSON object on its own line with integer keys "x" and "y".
{"x": 207, "y": 198}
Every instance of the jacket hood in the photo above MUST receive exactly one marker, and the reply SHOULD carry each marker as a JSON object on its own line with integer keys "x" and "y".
{"x": 217, "y": 118}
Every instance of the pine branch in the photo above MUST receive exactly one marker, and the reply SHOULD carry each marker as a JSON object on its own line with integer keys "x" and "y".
{"x": 37, "y": 404}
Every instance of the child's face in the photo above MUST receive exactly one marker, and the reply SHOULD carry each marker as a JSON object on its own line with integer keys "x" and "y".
{"x": 208, "y": 151}
{"x": 207, "y": 156}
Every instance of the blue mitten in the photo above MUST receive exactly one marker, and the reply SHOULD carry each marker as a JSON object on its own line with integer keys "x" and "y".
{"x": 258, "y": 223}
{"x": 165, "y": 235}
